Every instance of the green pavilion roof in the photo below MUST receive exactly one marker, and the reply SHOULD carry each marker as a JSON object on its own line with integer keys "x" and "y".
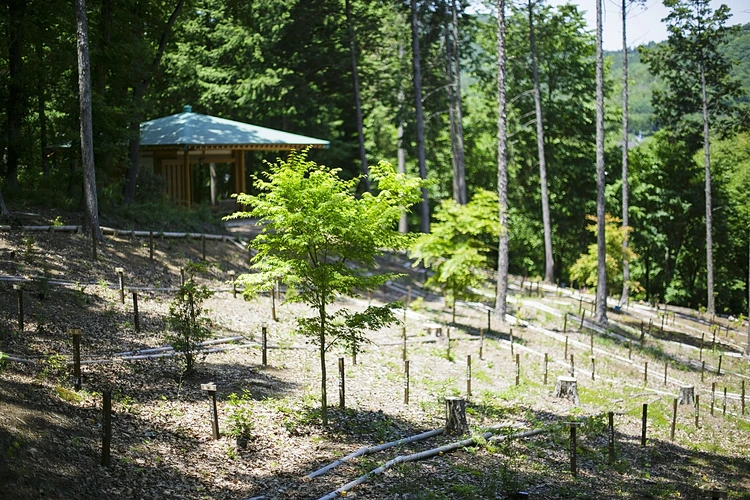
{"x": 194, "y": 131}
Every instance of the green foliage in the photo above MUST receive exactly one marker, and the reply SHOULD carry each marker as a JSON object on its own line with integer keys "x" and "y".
{"x": 585, "y": 268}
{"x": 187, "y": 321}
{"x": 321, "y": 241}
{"x": 458, "y": 246}
{"x": 240, "y": 415}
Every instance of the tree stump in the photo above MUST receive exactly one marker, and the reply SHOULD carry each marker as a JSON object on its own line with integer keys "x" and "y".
{"x": 567, "y": 387}
{"x": 455, "y": 416}
{"x": 687, "y": 395}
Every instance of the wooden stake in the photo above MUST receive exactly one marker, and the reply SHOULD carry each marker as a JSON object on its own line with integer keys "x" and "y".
{"x": 724, "y": 404}
{"x": 593, "y": 368}
{"x": 406, "y": 382}
{"x": 203, "y": 247}
{"x": 234, "y": 284}
{"x": 565, "y": 323}
{"x": 342, "y": 388}
{"x": 264, "y": 344}
{"x": 546, "y": 362}
{"x": 76, "y": 334}
{"x": 151, "y": 246}
{"x": 645, "y": 373}
{"x": 703, "y": 370}
{"x": 666, "y": 364}
{"x": 481, "y": 343}
{"x": 210, "y": 388}
{"x": 713, "y": 396}
{"x": 468, "y": 375}
{"x": 611, "y": 418}
{"x": 580, "y": 304}
{"x": 742, "y": 397}
{"x": 489, "y": 321}
{"x": 583, "y": 315}
{"x": 572, "y": 367}
{"x": 518, "y": 369}
{"x": 674, "y": 419}
{"x": 182, "y": 276}
{"x": 697, "y": 408}
{"x": 403, "y": 337}
{"x": 512, "y": 353}
{"x": 573, "y": 448}
{"x": 136, "y": 318}
{"x": 630, "y": 349}
{"x": 19, "y": 290}
{"x": 703, "y": 335}
{"x": 644, "y": 422}
{"x": 718, "y": 371}
{"x": 106, "y": 426}
{"x": 121, "y": 275}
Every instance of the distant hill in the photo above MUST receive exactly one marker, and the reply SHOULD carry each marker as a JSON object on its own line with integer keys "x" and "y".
{"x": 642, "y": 83}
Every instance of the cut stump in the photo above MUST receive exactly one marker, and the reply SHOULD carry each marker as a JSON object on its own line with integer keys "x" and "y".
{"x": 567, "y": 388}
{"x": 687, "y": 395}
{"x": 455, "y": 416}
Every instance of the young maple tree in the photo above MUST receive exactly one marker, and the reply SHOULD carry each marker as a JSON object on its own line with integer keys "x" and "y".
{"x": 322, "y": 241}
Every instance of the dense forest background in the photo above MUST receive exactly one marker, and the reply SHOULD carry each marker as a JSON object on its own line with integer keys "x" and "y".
{"x": 287, "y": 64}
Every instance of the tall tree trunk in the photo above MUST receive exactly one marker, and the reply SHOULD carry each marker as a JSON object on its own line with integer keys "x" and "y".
{"x": 601, "y": 282}
{"x": 625, "y": 219}
{"x": 747, "y": 348}
{"x": 403, "y": 224}
{"x": 711, "y": 309}
{"x": 549, "y": 261}
{"x": 323, "y": 390}
{"x": 357, "y": 100}
{"x": 212, "y": 181}
{"x": 3, "y": 209}
{"x": 41, "y": 107}
{"x": 502, "y": 167}
{"x": 87, "y": 140}
{"x": 139, "y": 91}
{"x": 452, "y": 117}
{"x": 14, "y": 106}
{"x": 460, "y": 172}
{"x": 416, "y": 64}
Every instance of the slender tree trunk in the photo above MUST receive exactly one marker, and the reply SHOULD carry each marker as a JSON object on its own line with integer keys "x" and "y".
{"x": 14, "y": 106}
{"x": 323, "y": 391}
{"x": 502, "y": 167}
{"x": 139, "y": 90}
{"x": 452, "y": 118}
{"x": 601, "y": 282}
{"x": 747, "y": 348}
{"x": 425, "y": 222}
{"x": 87, "y": 140}
{"x": 3, "y": 209}
{"x": 41, "y": 107}
{"x": 625, "y": 219}
{"x": 549, "y": 262}
{"x": 403, "y": 224}
{"x": 212, "y": 181}
{"x": 711, "y": 309}
{"x": 357, "y": 100}
{"x": 460, "y": 172}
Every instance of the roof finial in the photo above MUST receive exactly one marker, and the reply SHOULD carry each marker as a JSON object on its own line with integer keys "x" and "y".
{"x": 187, "y": 109}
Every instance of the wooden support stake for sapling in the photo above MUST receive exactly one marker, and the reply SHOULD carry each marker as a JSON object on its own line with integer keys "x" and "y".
{"x": 611, "y": 419}
{"x": 19, "y": 290}
{"x": 76, "y": 334}
{"x": 662, "y": 323}
{"x": 593, "y": 368}
{"x": 448, "y": 336}
{"x": 264, "y": 343}
{"x": 697, "y": 409}
{"x": 713, "y": 396}
{"x": 546, "y": 363}
{"x": 580, "y": 304}
{"x": 703, "y": 370}
{"x": 718, "y": 371}
{"x": 724, "y": 403}
{"x": 121, "y": 275}
{"x": 573, "y": 447}
{"x": 403, "y": 338}
{"x": 106, "y": 426}
{"x": 713, "y": 341}
{"x": 572, "y": 366}
{"x": 468, "y": 375}
{"x": 630, "y": 349}
{"x": 703, "y": 336}
{"x": 342, "y": 387}
{"x": 583, "y": 315}
{"x": 234, "y": 284}
{"x": 644, "y": 422}
{"x": 645, "y": 372}
{"x": 489, "y": 321}
{"x": 182, "y": 276}
{"x": 512, "y": 352}
{"x": 518, "y": 369}
{"x": 674, "y": 419}
{"x": 203, "y": 247}
{"x": 406, "y": 382}
{"x": 151, "y": 246}
{"x": 210, "y": 388}
{"x": 136, "y": 318}
{"x": 742, "y": 398}
{"x": 666, "y": 364}
{"x": 481, "y": 343}
{"x": 565, "y": 323}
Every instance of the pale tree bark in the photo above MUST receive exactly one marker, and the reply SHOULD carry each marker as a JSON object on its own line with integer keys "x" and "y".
{"x": 403, "y": 224}
{"x": 87, "y": 140}
{"x": 416, "y": 64}
{"x": 452, "y": 117}
{"x": 549, "y": 262}
{"x": 357, "y": 99}
{"x": 601, "y": 282}
{"x": 212, "y": 181}
{"x": 711, "y": 308}
{"x": 625, "y": 297}
{"x": 3, "y": 209}
{"x": 459, "y": 174}
{"x": 502, "y": 167}
{"x": 139, "y": 91}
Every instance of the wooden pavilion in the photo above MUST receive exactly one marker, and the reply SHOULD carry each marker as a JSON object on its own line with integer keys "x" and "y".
{"x": 174, "y": 145}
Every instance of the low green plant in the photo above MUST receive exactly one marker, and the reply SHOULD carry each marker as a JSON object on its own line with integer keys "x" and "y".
{"x": 240, "y": 416}
{"x": 187, "y": 321}
{"x": 58, "y": 221}
{"x": 28, "y": 249}
{"x": 54, "y": 367}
